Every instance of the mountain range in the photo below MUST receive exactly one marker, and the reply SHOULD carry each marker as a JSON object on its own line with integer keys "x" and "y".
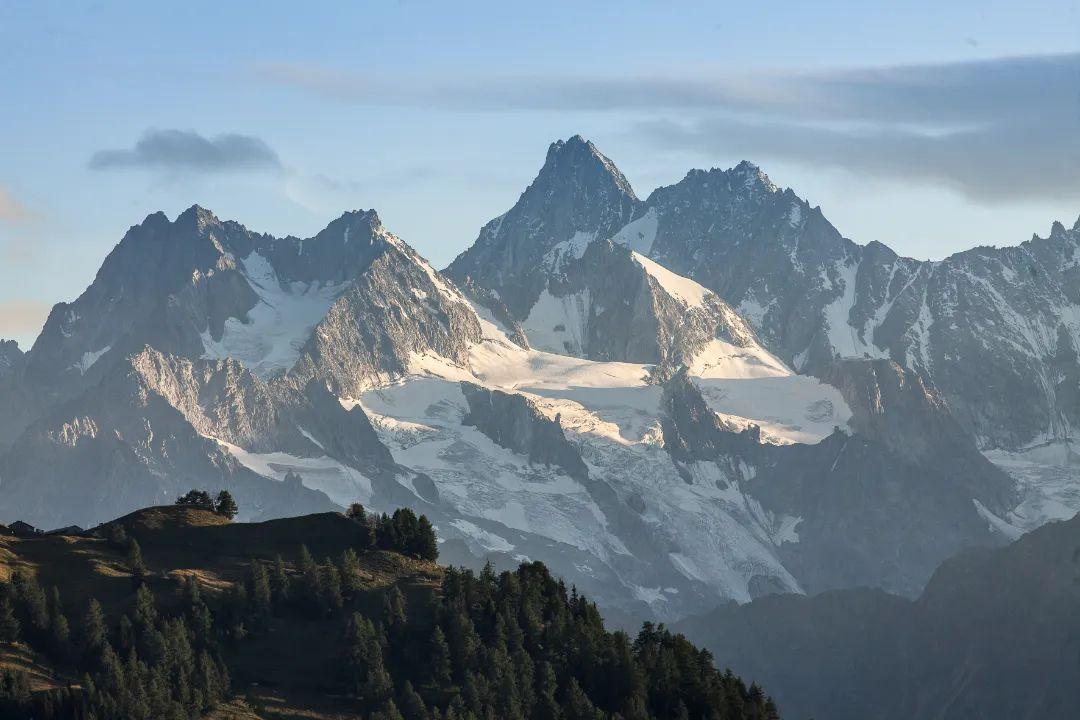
{"x": 995, "y": 634}
{"x": 706, "y": 395}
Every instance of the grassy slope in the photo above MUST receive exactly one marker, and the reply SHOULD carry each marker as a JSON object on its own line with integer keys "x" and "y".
{"x": 278, "y": 673}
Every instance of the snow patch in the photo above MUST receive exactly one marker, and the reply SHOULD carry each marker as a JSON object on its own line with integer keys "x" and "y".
{"x": 270, "y": 340}
{"x": 89, "y": 358}
{"x": 639, "y": 235}
{"x": 684, "y": 289}
{"x": 342, "y": 484}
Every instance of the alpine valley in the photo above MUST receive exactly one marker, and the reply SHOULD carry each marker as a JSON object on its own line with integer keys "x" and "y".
{"x": 708, "y": 395}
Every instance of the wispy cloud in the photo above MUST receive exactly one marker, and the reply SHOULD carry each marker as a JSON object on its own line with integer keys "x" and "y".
{"x": 1014, "y": 160}
{"x": 994, "y": 130}
{"x": 11, "y": 210}
{"x": 188, "y": 151}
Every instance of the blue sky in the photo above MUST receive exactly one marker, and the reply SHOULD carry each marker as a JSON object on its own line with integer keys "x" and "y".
{"x": 930, "y": 126}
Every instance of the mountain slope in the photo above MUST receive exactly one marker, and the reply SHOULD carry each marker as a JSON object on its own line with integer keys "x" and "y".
{"x": 995, "y": 635}
{"x": 227, "y": 620}
{"x": 988, "y": 317}
{"x": 132, "y": 440}
{"x": 579, "y": 195}
{"x": 622, "y": 423}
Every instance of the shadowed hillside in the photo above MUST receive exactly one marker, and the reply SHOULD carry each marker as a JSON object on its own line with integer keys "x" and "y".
{"x": 174, "y": 612}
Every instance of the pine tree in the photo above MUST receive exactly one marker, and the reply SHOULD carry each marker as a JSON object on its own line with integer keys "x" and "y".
{"x": 439, "y": 659}
{"x": 547, "y": 687}
{"x": 33, "y": 600}
{"x": 135, "y": 561}
{"x": 425, "y": 546}
{"x": 280, "y": 581}
{"x": 331, "y": 598}
{"x": 349, "y": 567}
{"x": 145, "y": 611}
{"x": 93, "y": 634}
{"x": 363, "y": 660}
{"x": 126, "y": 634}
{"x": 261, "y": 596}
{"x": 412, "y": 705}
{"x": 225, "y": 505}
{"x": 357, "y": 513}
{"x": 197, "y": 498}
{"x": 394, "y": 614}
{"x": 576, "y": 703}
{"x": 60, "y": 631}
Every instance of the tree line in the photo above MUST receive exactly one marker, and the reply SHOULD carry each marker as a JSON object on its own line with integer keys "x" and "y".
{"x": 515, "y": 645}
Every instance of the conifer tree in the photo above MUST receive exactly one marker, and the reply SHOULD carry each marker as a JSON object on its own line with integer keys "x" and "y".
{"x": 225, "y": 505}
{"x": 330, "y": 587}
{"x": 197, "y": 498}
{"x": 94, "y": 633}
{"x": 261, "y": 596}
{"x": 135, "y": 560}
{"x": 394, "y": 614}
{"x": 349, "y": 568}
{"x": 439, "y": 658}
{"x": 411, "y": 704}
{"x": 280, "y": 581}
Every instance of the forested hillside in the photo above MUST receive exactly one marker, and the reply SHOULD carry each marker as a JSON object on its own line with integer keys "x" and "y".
{"x": 175, "y": 612}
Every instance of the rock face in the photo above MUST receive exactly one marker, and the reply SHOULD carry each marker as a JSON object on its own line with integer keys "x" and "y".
{"x": 562, "y": 262}
{"x": 981, "y": 319}
{"x": 515, "y": 423}
{"x": 11, "y": 359}
{"x": 984, "y": 617}
{"x": 396, "y": 311}
{"x": 578, "y": 196}
{"x": 123, "y": 445}
{"x": 868, "y": 513}
{"x": 985, "y": 318}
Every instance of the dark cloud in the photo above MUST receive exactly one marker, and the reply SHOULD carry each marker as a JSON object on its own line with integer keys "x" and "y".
{"x": 1014, "y": 160}
{"x": 995, "y": 130}
{"x": 961, "y": 90}
{"x": 186, "y": 150}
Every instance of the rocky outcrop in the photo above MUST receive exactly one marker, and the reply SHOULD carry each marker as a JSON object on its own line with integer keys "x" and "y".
{"x": 516, "y": 424}
{"x": 11, "y": 359}
{"x": 396, "y": 310}
{"x": 123, "y": 445}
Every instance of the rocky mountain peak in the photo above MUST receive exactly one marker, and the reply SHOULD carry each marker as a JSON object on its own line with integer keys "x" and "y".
{"x": 577, "y": 156}
{"x": 578, "y": 196}
{"x": 753, "y": 177}
{"x": 197, "y": 216}
{"x": 11, "y": 358}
